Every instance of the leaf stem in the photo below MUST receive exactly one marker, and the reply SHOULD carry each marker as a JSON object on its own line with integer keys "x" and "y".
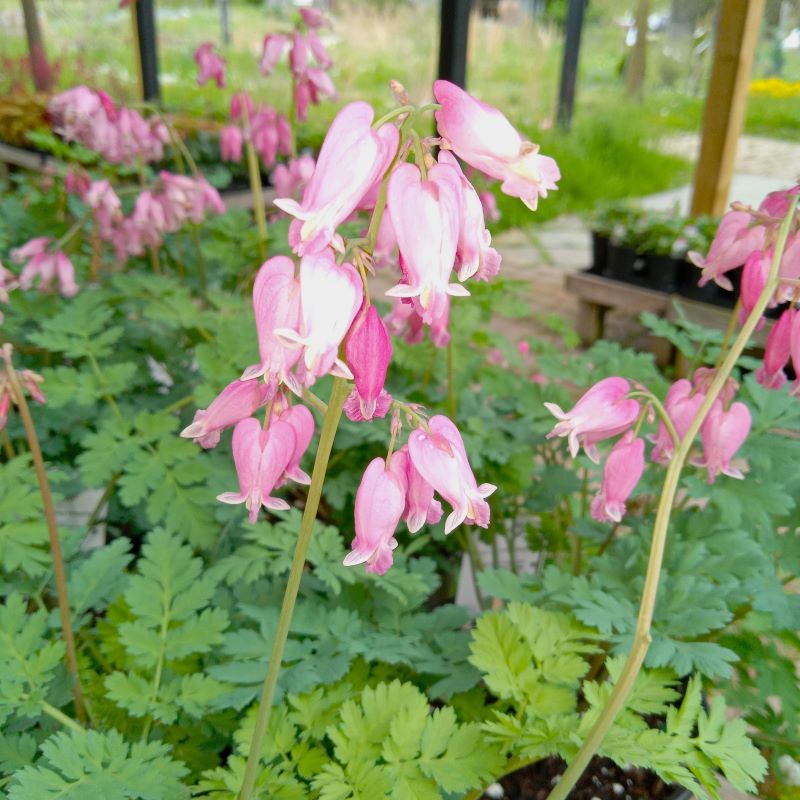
{"x": 255, "y": 186}
{"x": 329, "y": 426}
{"x": 642, "y": 638}
{"x": 61, "y": 717}
{"x": 18, "y": 396}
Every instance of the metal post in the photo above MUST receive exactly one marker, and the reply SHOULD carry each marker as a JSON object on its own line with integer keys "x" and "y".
{"x": 224, "y": 22}
{"x": 569, "y": 67}
{"x": 453, "y": 41}
{"x": 40, "y": 68}
{"x": 148, "y": 49}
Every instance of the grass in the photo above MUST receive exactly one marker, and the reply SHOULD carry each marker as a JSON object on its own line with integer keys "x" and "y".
{"x": 609, "y": 153}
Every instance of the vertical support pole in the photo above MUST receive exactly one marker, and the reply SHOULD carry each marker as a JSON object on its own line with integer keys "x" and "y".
{"x": 637, "y": 62}
{"x": 148, "y": 49}
{"x": 40, "y": 68}
{"x": 726, "y": 100}
{"x": 453, "y": 35}
{"x": 224, "y": 22}
{"x": 569, "y": 66}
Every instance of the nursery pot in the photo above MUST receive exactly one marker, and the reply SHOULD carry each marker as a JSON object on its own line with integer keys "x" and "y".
{"x": 660, "y": 273}
{"x": 602, "y": 779}
{"x": 600, "y": 245}
{"x": 710, "y": 293}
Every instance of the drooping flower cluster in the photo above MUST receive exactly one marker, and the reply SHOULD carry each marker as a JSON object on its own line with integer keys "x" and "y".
{"x": 269, "y": 131}
{"x": 44, "y": 266}
{"x": 210, "y": 65}
{"x": 746, "y": 238}
{"x": 316, "y": 318}
{"x": 30, "y": 382}
{"x": 120, "y": 134}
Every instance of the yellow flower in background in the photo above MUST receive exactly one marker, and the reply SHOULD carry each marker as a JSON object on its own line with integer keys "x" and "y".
{"x": 775, "y": 87}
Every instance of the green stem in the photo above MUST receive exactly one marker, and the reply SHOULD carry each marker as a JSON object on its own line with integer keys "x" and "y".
{"x": 292, "y": 116}
{"x": 255, "y": 187}
{"x": 419, "y": 154}
{"x": 329, "y": 425}
{"x": 18, "y": 396}
{"x": 393, "y": 114}
{"x": 201, "y": 264}
{"x": 662, "y": 412}
{"x": 61, "y": 717}
{"x": 642, "y": 638}
{"x": 102, "y": 381}
{"x": 452, "y": 407}
{"x": 165, "y": 620}
{"x": 475, "y": 561}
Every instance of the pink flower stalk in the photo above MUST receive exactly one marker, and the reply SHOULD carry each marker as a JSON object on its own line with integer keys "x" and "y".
{"x": 240, "y": 102}
{"x": 302, "y": 422}
{"x": 318, "y": 50}
{"x": 380, "y": 501}
{"x": 485, "y": 139}
{"x": 230, "y": 143}
{"x": 291, "y": 178}
{"x": 30, "y": 382}
{"x": 602, "y": 412}
{"x": 237, "y": 401}
{"x": 794, "y": 346}
{"x": 77, "y": 182}
{"x": 276, "y": 304}
{"x": 440, "y": 458}
{"x": 310, "y": 85}
{"x": 735, "y": 240}
{"x": 46, "y": 266}
{"x": 489, "y": 203}
{"x": 268, "y": 135}
{"x": 420, "y": 507}
{"x": 330, "y": 296}
{"x": 298, "y": 55}
{"x": 425, "y": 216}
{"x": 352, "y": 158}
{"x": 314, "y": 18}
{"x": 210, "y": 64}
{"x": 101, "y": 196}
{"x": 682, "y": 403}
{"x": 777, "y": 351}
{"x": 261, "y": 457}
{"x": 754, "y": 279}
{"x": 272, "y": 52}
{"x": 622, "y": 471}
{"x": 722, "y": 434}
{"x": 474, "y": 251}
{"x": 369, "y": 351}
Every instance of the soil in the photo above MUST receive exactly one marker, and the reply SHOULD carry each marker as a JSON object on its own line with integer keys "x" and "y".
{"x": 603, "y": 780}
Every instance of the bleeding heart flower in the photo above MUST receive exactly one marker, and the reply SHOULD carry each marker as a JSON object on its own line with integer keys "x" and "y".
{"x": 425, "y": 216}
{"x": 261, "y": 457}
{"x": 485, "y": 139}
{"x": 369, "y": 351}
{"x": 211, "y": 64}
{"x": 352, "y": 158}
{"x": 380, "y": 500}
{"x": 682, "y": 403}
{"x": 754, "y": 279}
{"x": 230, "y": 143}
{"x": 440, "y": 458}
{"x": 237, "y": 401}
{"x": 272, "y": 52}
{"x": 420, "y": 506}
{"x": 602, "y": 412}
{"x": 302, "y": 423}
{"x": 777, "y": 351}
{"x": 722, "y": 434}
{"x": 621, "y": 472}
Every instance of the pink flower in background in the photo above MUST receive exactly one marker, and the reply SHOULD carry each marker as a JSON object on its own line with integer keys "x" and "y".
{"x": 722, "y": 434}
{"x": 261, "y": 457}
{"x": 240, "y": 102}
{"x": 101, "y": 196}
{"x": 272, "y": 52}
{"x": 298, "y": 55}
{"x": 420, "y": 507}
{"x": 794, "y": 346}
{"x": 276, "y": 304}
{"x": 210, "y": 64}
{"x": 380, "y": 501}
{"x": 330, "y": 296}
{"x": 485, "y": 139}
{"x": 474, "y": 251}
{"x": 230, "y": 143}
{"x": 602, "y": 412}
{"x": 314, "y": 18}
{"x": 31, "y": 382}
{"x": 8, "y": 282}
{"x": 622, "y": 471}
{"x": 290, "y": 179}
{"x": 524, "y": 348}
{"x": 734, "y": 241}
{"x": 318, "y": 50}
{"x": 489, "y": 203}
{"x": 440, "y": 458}
{"x": 44, "y": 266}
{"x": 5, "y": 405}
{"x": 77, "y": 182}
{"x": 682, "y": 403}
{"x": 776, "y": 204}
{"x": 310, "y": 85}
{"x": 777, "y": 352}
{"x": 302, "y": 422}
{"x": 425, "y": 216}
{"x": 352, "y": 158}
{"x": 368, "y": 350}
{"x": 237, "y": 401}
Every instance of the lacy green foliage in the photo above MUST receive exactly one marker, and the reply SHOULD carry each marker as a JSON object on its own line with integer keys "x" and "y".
{"x": 28, "y": 661}
{"x": 536, "y": 663}
{"x": 381, "y": 620}
{"x": 88, "y": 765}
{"x": 168, "y": 601}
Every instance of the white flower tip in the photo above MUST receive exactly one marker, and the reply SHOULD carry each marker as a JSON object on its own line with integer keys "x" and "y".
{"x": 341, "y": 370}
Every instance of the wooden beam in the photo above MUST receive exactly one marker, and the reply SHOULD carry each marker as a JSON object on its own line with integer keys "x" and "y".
{"x": 569, "y": 64}
{"x": 734, "y": 51}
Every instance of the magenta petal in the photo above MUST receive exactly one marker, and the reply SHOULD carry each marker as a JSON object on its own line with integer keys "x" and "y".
{"x": 622, "y": 471}
{"x": 369, "y": 351}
